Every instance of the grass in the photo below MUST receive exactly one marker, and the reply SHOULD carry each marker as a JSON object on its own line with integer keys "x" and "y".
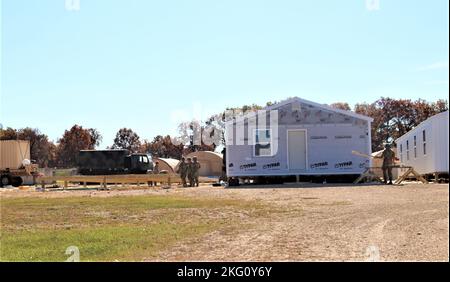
{"x": 124, "y": 228}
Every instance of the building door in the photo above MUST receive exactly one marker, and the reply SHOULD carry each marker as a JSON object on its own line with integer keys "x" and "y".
{"x": 297, "y": 149}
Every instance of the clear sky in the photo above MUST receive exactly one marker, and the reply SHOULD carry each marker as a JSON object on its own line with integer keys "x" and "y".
{"x": 140, "y": 63}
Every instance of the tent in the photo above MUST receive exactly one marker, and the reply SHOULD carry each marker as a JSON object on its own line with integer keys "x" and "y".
{"x": 166, "y": 164}
{"x": 210, "y": 162}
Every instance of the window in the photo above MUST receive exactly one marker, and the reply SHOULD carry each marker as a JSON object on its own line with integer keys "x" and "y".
{"x": 407, "y": 150}
{"x": 415, "y": 146}
{"x": 263, "y": 143}
{"x": 424, "y": 139}
{"x": 401, "y": 152}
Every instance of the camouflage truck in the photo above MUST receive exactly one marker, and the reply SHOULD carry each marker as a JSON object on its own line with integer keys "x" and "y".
{"x": 107, "y": 162}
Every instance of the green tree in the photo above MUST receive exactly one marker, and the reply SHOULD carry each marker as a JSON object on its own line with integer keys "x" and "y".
{"x": 73, "y": 140}
{"x": 127, "y": 139}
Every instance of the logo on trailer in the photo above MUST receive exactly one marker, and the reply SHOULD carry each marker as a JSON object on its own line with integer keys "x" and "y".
{"x": 271, "y": 165}
{"x": 247, "y": 166}
{"x": 344, "y": 164}
{"x": 319, "y": 165}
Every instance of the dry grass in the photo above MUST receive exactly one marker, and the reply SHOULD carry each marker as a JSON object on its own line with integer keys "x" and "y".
{"x": 319, "y": 223}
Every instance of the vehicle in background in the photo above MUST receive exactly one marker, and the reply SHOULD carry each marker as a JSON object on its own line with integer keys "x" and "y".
{"x": 15, "y": 162}
{"x": 107, "y": 162}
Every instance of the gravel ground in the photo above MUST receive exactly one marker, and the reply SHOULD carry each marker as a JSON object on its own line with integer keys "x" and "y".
{"x": 309, "y": 222}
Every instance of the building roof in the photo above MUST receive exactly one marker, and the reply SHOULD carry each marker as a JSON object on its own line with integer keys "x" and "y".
{"x": 303, "y": 101}
{"x": 171, "y": 163}
{"x": 208, "y": 154}
{"x": 436, "y": 116}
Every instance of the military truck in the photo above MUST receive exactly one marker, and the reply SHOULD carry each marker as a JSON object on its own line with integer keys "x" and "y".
{"x": 107, "y": 162}
{"x": 15, "y": 162}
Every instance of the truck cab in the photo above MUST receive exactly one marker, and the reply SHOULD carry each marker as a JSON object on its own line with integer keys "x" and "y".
{"x": 138, "y": 163}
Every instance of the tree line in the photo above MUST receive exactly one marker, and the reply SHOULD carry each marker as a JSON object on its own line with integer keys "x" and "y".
{"x": 392, "y": 119}
{"x": 64, "y": 153}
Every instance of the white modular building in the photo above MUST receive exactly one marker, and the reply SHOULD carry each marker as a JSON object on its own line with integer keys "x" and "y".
{"x": 297, "y": 137}
{"x": 425, "y": 148}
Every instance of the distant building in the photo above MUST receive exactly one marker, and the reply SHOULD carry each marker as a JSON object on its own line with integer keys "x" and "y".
{"x": 426, "y": 147}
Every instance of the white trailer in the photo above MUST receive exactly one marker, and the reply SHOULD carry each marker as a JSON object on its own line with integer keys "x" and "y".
{"x": 426, "y": 146}
{"x": 297, "y": 137}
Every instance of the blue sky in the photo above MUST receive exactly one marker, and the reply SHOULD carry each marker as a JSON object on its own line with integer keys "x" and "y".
{"x": 133, "y": 63}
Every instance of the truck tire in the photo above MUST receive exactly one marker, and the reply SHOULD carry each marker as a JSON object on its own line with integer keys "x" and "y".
{"x": 5, "y": 180}
{"x": 17, "y": 181}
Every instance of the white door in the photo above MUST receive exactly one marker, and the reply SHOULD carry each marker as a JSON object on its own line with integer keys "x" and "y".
{"x": 297, "y": 149}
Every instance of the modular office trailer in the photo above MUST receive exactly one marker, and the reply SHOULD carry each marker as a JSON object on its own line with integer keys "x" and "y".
{"x": 297, "y": 137}
{"x": 426, "y": 146}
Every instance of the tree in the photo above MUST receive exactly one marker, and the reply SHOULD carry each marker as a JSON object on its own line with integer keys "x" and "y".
{"x": 127, "y": 139}
{"x": 163, "y": 147}
{"x": 42, "y": 150}
{"x": 393, "y": 118}
{"x": 96, "y": 137}
{"x": 8, "y": 134}
{"x": 341, "y": 106}
{"x": 74, "y": 140}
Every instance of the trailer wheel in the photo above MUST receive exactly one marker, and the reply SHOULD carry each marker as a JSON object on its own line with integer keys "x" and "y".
{"x": 17, "y": 181}
{"x": 233, "y": 181}
{"x": 5, "y": 180}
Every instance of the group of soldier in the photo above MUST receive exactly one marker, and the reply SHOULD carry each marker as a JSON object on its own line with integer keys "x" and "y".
{"x": 189, "y": 168}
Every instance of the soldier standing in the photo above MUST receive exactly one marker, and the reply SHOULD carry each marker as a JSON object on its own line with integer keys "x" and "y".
{"x": 156, "y": 168}
{"x": 189, "y": 170}
{"x": 182, "y": 170}
{"x": 388, "y": 161}
{"x": 195, "y": 171}
{"x": 155, "y": 171}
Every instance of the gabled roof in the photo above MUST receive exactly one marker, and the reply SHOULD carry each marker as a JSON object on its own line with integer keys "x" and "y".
{"x": 303, "y": 101}
{"x": 428, "y": 120}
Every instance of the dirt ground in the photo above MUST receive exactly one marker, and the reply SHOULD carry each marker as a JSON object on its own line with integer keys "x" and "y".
{"x": 309, "y": 222}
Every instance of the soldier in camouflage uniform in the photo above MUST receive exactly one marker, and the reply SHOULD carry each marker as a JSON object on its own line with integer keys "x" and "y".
{"x": 195, "y": 171}
{"x": 189, "y": 173}
{"x": 388, "y": 161}
{"x": 156, "y": 168}
{"x": 182, "y": 170}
